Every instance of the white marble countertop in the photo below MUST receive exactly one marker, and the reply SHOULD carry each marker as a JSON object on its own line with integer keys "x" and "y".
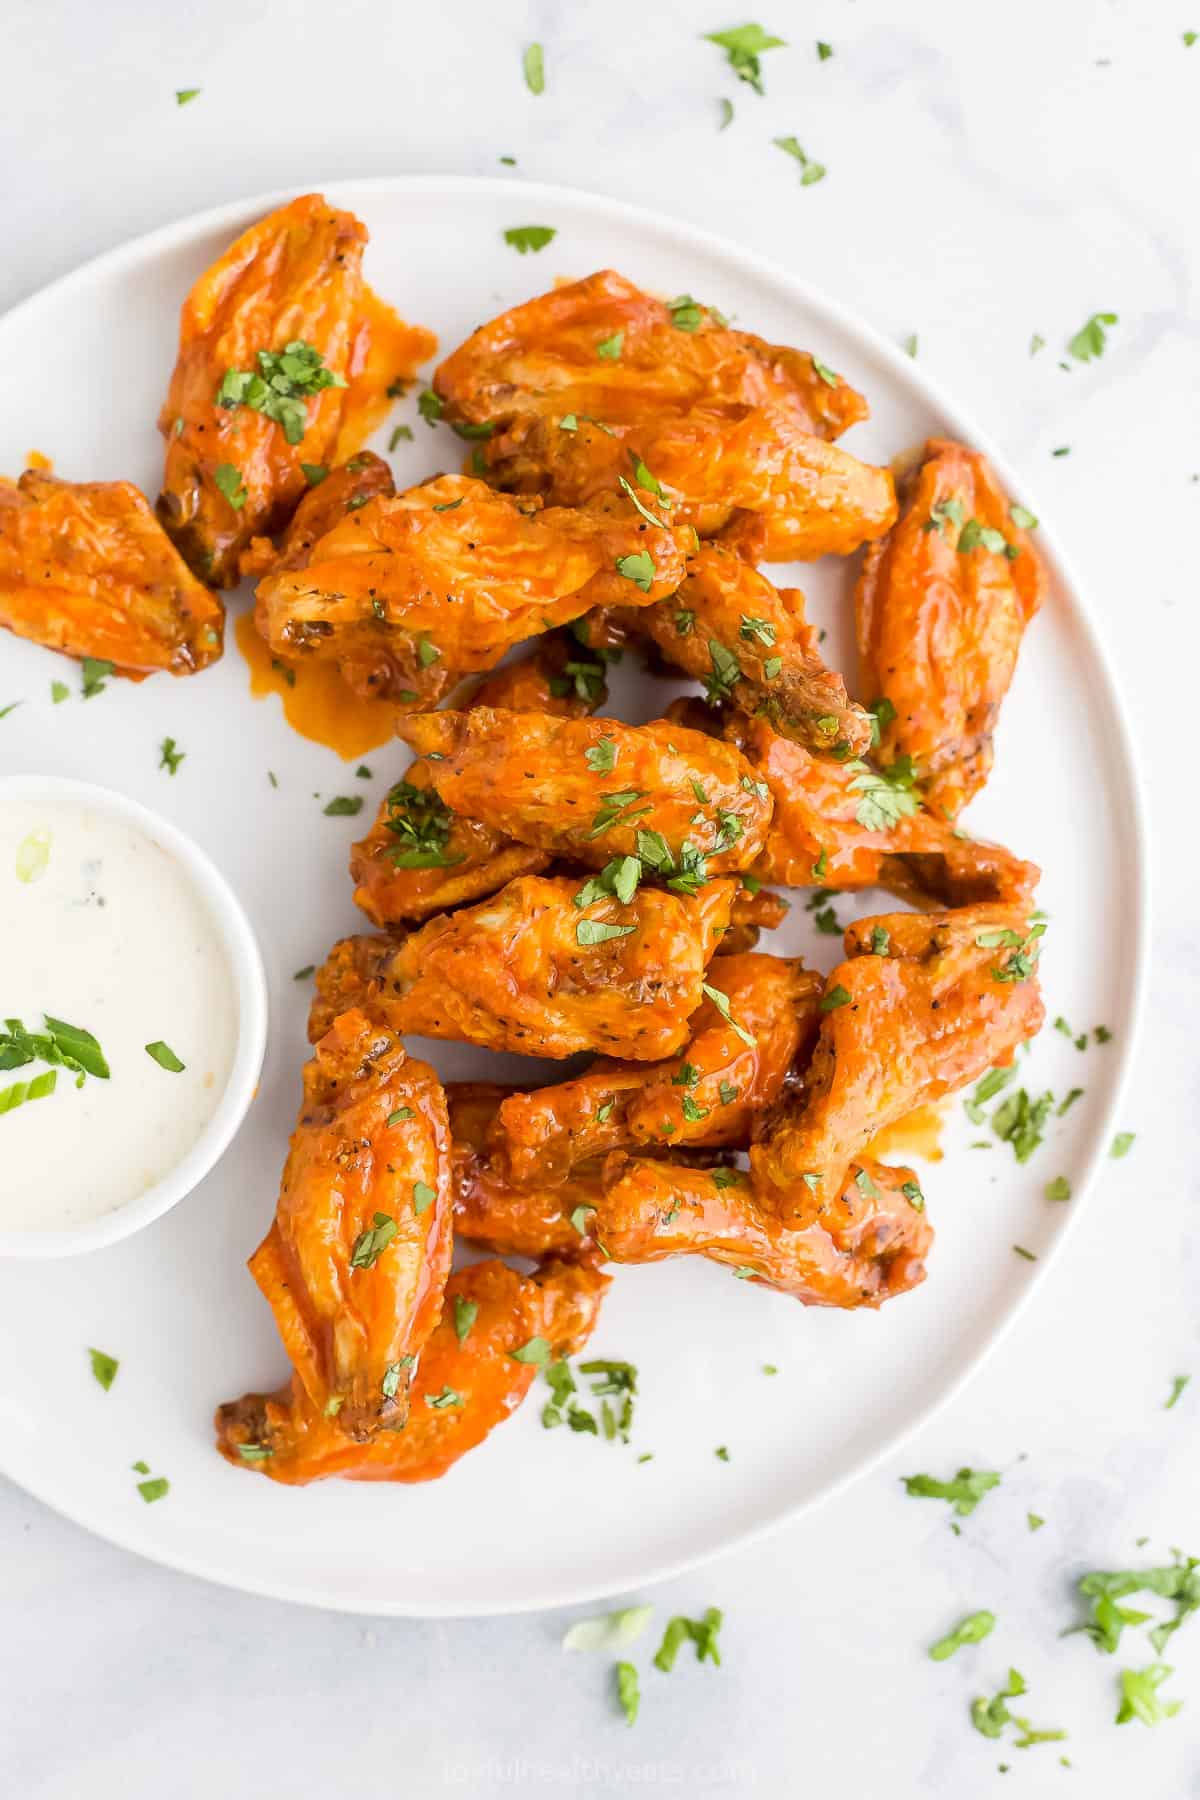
{"x": 991, "y": 175}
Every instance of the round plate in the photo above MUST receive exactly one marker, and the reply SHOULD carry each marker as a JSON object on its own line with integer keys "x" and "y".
{"x": 534, "y": 1517}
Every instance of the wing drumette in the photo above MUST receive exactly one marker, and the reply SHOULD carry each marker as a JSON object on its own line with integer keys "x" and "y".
{"x": 591, "y": 790}
{"x": 355, "y": 1263}
{"x": 942, "y": 605}
{"x": 467, "y": 1382}
{"x": 410, "y": 592}
{"x": 598, "y": 383}
{"x": 268, "y": 340}
{"x": 86, "y": 568}
{"x": 924, "y": 1004}
{"x": 529, "y": 970}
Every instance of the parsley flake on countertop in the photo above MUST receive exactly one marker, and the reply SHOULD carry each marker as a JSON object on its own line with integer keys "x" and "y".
{"x": 1090, "y": 340}
{"x": 526, "y": 238}
{"x": 1123, "y": 1143}
{"x": 1177, "y": 1387}
{"x": 165, "y": 1057}
{"x": 183, "y": 95}
{"x": 743, "y": 45}
{"x": 965, "y": 1491}
{"x": 154, "y": 1489}
{"x": 95, "y": 671}
{"x": 628, "y": 1693}
{"x": 972, "y": 1630}
{"x": 104, "y": 1367}
{"x": 169, "y": 758}
{"x": 810, "y": 171}
{"x": 533, "y": 63}
{"x": 1140, "y": 1698}
{"x": 609, "y": 1631}
{"x": 703, "y": 1633}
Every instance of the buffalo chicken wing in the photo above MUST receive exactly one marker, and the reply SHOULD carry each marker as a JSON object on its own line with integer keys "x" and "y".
{"x": 597, "y": 385}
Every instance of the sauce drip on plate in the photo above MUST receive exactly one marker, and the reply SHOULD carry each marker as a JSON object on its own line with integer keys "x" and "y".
{"x": 316, "y": 701}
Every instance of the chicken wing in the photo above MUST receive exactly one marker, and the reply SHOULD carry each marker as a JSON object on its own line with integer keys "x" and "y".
{"x": 598, "y": 385}
{"x": 866, "y": 1246}
{"x": 849, "y": 825}
{"x": 355, "y": 1263}
{"x": 592, "y": 790}
{"x": 529, "y": 970}
{"x": 467, "y": 1382}
{"x": 333, "y": 494}
{"x": 411, "y": 592}
{"x": 86, "y": 568}
{"x": 925, "y": 1003}
{"x": 420, "y": 858}
{"x": 942, "y": 605}
{"x": 748, "y": 641}
{"x": 740, "y": 1049}
{"x": 267, "y": 341}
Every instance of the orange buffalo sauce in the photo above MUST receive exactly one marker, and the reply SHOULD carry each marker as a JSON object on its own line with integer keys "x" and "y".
{"x": 918, "y": 1133}
{"x": 316, "y": 701}
{"x": 386, "y": 351}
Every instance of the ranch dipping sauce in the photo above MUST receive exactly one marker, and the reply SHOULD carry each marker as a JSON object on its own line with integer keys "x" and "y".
{"x": 102, "y": 930}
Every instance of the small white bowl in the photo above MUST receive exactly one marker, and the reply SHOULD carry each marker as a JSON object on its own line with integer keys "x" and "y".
{"x": 250, "y": 988}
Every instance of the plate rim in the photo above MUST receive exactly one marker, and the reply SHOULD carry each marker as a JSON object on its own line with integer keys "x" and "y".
{"x": 1071, "y": 593}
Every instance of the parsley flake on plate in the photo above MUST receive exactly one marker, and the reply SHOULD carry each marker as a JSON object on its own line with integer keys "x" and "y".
{"x": 810, "y": 171}
{"x": 526, "y": 238}
{"x": 104, "y": 1367}
{"x": 169, "y": 757}
{"x": 743, "y": 45}
{"x": 95, "y": 671}
{"x": 964, "y": 1491}
{"x": 533, "y": 64}
{"x": 1091, "y": 338}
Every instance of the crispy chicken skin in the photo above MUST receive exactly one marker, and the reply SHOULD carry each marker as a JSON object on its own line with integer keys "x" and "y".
{"x": 749, "y": 642}
{"x": 923, "y": 1005}
{"x": 325, "y": 505}
{"x": 355, "y": 1263}
{"x": 86, "y": 568}
{"x": 410, "y": 592}
{"x": 707, "y": 1096}
{"x": 590, "y": 790}
{"x": 462, "y": 1387}
{"x": 734, "y": 432}
{"x": 512, "y": 973}
{"x": 420, "y": 858}
{"x": 866, "y": 1246}
{"x": 940, "y": 618}
{"x": 294, "y": 276}
{"x": 817, "y": 838}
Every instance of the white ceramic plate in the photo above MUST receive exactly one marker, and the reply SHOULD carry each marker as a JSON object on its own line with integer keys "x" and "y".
{"x": 533, "y": 1518}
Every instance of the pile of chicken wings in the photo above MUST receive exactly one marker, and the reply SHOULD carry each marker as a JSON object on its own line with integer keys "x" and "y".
{"x": 546, "y": 878}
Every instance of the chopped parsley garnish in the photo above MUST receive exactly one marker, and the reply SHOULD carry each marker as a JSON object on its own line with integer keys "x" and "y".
{"x": 369, "y": 1244}
{"x": 450, "y": 505}
{"x": 743, "y": 45}
{"x": 611, "y": 1631}
{"x": 911, "y": 345}
{"x": 1021, "y": 1251}
{"x": 619, "y": 877}
{"x": 184, "y": 95}
{"x": 165, "y": 1057}
{"x": 536, "y": 1351}
{"x": 104, "y": 1367}
{"x": 686, "y": 314}
{"x": 259, "y": 1452}
{"x": 964, "y": 1492}
{"x": 229, "y": 482}
{"x": 810, "y": 171}
{"x": 684, "y": 620}
{"x": 1037, "y": 342}
{"x": 1020, "y": 1121}
{"x": 727, "y": 1093}
{"x": 726, "y": 106}
{"x": 447, "y": 1397}
{"x": 95, "y": 671}
{"x": 721, "y": 1002}
{"x": 887, "y": 795}
{"x": 1122, "y": 1144}
{"x": 628, "y": 489}
{"x": 702, "y": 1633}
{"x": 973, "y": 1630}
{"x": 1034, "y": 1521}
{"x": 824, "y": 51}
{"x": 726, "y": 670}
{"x": 154, "y": 1489}
{"x": 431, "y": 406}
{"x": 772, "y": 667}
{"x": 465, "y": 1314}
{"x": 762, "y": 629}
{"x": 826, "y": 374}
{"x": 1140, "y": 1698}
{"x": 594, "y": 931}
{"x": 610, "y": 348}
{"x": 280, "y": 389}
{"x": 401, "y": 1114}
{"x": 1090, "y": 340}
{"x": 639, "y": 568}
{"x": 913, "y": 1195}
{"x": 422, "y": 821}
{"x": 836, "y": 996}
{"x": 524, "y": 238}
{"x": 1178, "y": 1581}
{"x": 423, "y": 1196}
{"x": 1177, "y": 1387}
{"x": 533, "y": 64}
{"x": 315, "y": 473}
{"x": 692, "y": 1112}
{"x": 169, "y": 758}
{"x": 973, "y": 535}
{"x": 601, "y": 757}
{"x": 63, "y": 1046}
{"x": 628, "y": 1693}
{"x": 1058, "y": 1189}
{"x": 1074, "y": 1095}
{"x": 614, "y": 810}
{"x": 1022, "y": 518}
{"x": 59, "y": 691}
{"x": 344, "y": 806}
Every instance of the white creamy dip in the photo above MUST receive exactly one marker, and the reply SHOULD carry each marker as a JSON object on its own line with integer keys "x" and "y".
{"x": 102, "y": 928}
